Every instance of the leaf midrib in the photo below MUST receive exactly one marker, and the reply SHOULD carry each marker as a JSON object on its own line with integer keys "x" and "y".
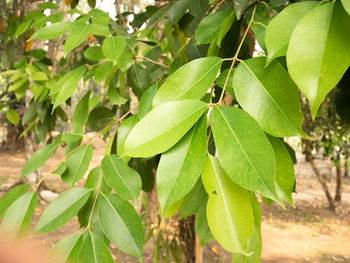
{"x": 122, "y": 221}
{"x": 244, "y": 152}
{"x": 270, "y": 96}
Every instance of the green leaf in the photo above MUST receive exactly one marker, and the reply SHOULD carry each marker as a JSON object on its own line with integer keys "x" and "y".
{"x": 162, "y": 127}
{"x": 62, "y": 209}
{"x": 99, "y": 118}
{"x": 38, "y": 159}
{"x": 201, "y": 226}
{"x": 113, "y": 47}
{"x": 114, "y": 96}
{"x": 72, "y": 137}
{"x": 241, "y": 6}
{"x": 313, "y": 62}
{"x": 47, "y": 5}
{"x": 12, "y": 116}
{"x": 77, "y": 36}
{"x": 145, "y": 105}
{"x": 258, "y": 90}
{"x": 138, "y": 78}
{"x": 176, "y": 11}
{"x": 81, "y": 114}
{"x": 280, "y": 29}
{"x": 66, "y": 85}
{"x": 123, "y": 132}
{"x": 191, "y": 81}
{"x": 102, "y": 70}
{"x": 244, "y": 151}
{"x": 229, "y": 211}
{"x": 122, "y": 225}
{"x": 125, "y": 181}
{"x": 52, "y": 31}
{"x": 254, "y": 242}
{"x": 67, "y": 249}
{"x": 92, "y": 181}
{"x": 284, "y": 174}
{"x": 194, "y": 200}
{"x": 94, "y": 53}
{"x": 210, "y": 26}
{"x": 77, "y": 165}
{"x": 180, "y": 167}
{"x": 39, "y": 76}
{"x": 94, "y": 250}
{"x": 346, "y": 5}
{"x": 11, "y": 196}
{"x": 17, "y": 218}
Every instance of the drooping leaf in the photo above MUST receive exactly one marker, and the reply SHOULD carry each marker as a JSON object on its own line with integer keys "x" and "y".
{"x": 194, "y": 200}
{"x": 229, "y": 211}
{"x": 284, "y": 175}
{"x": 244, "y": 152}
{"x": 94, "y": 250}
{"x": 11, "y": 196}
{"x": 52, "y": 31}
{"x": 66, "y": 250}
{"x": 77, "y": 164}
{"x": 281, "y": 27}
{"x": 191, "y": 81}
{"x": 254, "y": 242}
{"x": 113, "y": 47}
{"x": 258, "y": 90}
{"x": 180, "y": 167}
{"x": 313, "y": 62}
{"x": 16, "y": 221}
{"x": 38, "y": 159}
{"x": 201, "y": 226}
{"x": 125, "y": 181}
{"x": 12, "y": 116}
{"x": 122, "y": 225}
{"x": 80, "y": 115}
{"x": 102, "y": 71}
{"x": 162, "y": 127}
{"x": 241, "y": 6}
{"x": 138, "y": 78}
{"x": 66, "y": 85}
{"x": 94, "y": 180}
{"x": 99, "y": 118}
{"x": 62, "y": 209}
{"x": 176, "y": 11}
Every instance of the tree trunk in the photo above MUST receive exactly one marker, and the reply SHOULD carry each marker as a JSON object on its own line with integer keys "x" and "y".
{"x": 188, "y": 237}
{"x": 339, "y": 181}
{"x": 346, "y": 168}
{"x": 324, "y": 186}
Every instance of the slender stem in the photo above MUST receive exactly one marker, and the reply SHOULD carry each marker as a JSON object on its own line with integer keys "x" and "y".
{"x": 152, "y": 61}
{"x": 259, "y": 23}
{"x": 95, "y": 199}
{"x": 107, "y": 126}
{"x": 235, "y": 57}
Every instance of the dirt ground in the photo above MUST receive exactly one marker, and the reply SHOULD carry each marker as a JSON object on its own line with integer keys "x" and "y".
{"x": 308, "y": 233}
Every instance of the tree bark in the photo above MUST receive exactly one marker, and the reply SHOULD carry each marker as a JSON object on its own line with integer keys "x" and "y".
{"x": 338, "y": 191}
{"x": 188, "y": 237}
{"x": 324, "y": 185}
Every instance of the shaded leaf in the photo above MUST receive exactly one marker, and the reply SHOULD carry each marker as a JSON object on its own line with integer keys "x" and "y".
{"x": 180, "y": 167}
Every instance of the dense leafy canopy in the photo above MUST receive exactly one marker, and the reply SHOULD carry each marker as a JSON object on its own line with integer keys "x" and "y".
{"x": 177, "y": 91}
